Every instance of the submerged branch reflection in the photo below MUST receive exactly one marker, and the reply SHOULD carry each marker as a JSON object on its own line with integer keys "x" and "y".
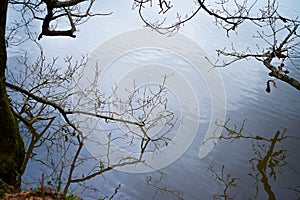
{"x": 226, "y": 179}
{"x": 159, "y": 187}
{"x": 269, "y": 158}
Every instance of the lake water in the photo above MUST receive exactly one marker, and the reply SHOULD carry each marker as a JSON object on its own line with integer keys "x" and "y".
{"x": 238, "y": 94}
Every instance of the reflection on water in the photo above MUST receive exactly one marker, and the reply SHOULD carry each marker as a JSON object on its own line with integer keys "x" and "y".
{"x": 270, "y": 158}
{"x": 161, "y": 189}
{"x": 237, "y": 157}
{"x": 263, "y": 165}
{"x": 226, "y": 180}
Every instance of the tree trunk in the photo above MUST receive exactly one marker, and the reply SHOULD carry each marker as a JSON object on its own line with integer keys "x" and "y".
{"x": 12, "y": 149}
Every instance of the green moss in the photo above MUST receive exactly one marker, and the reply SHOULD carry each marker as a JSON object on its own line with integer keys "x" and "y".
{"x": 72, "y": 197}
{"x": 12, "y": 149}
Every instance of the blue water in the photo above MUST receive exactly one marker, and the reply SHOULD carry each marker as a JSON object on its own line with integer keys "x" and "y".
{"x": 244, "y": 83}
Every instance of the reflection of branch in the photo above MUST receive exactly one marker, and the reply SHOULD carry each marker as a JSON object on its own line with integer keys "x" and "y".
{"x": 267, "y": 156}
{"x": 226, "y": 180}
{"x": 296, "y": 190}
{"x": 114, "y": 194}
{"x": 235, "y": 133}
{"x": 267, "y": 159}
{"x": 263, "y": 164}
{"x": 163, "y": 189}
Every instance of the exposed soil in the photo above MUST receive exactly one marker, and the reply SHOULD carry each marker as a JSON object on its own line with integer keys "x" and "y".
{"x": 45, "y": 194}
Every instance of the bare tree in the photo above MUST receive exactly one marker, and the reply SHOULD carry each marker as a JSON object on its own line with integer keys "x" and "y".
{"x": 47, "y": 101}
{"x": 42, "y": 99}
{"x": 52, "y": 12}
{"x": 49, "y": 12}
{"x": 44, "y": 112}
{"x": 277, "y": 48}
